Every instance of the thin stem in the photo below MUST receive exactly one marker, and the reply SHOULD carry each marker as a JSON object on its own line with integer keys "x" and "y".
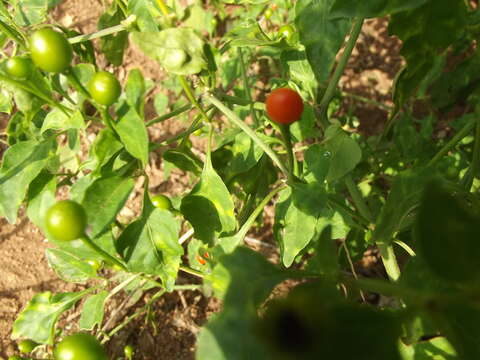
{"x": 77, "y": 84}
{"x": 367, "y": 101}
{"x": 287, "y": 137}
{"x": 164, "y": 9}
{"x": 352, "y": 267}
{"x": 358, "y": 198}
{"x": 170, "y": 115}
{"x": 189, "y": 93}
{"x": 453, "y": 141}
{"x": 104, "y": 32}
{"x": 121, "y": 286}
{"x": 472, "y": 171}
{"x": 332, "y": 85}
{"x": 334, "y": 202}
{"x": 15, "y": 37}
{"x": 107, "y": 119}
{"x": 37, "y": 93}
{"x": 246, "y": 86}
{"x": 251, "y": 219}
{"x": 103, "y": 254}
{"x": 191, "y": 271}
{"x": 237, "y": 121}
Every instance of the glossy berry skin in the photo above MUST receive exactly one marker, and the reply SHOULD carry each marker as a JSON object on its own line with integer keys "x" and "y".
{"x": 50, "y": 50}
{"x": 27, "y": 346}
{"x": 161, "y": 202}
{"x": 284, "y": 106}
{"x": 66, "y": 220}
{"x": 104, "y": 88}
{"x": 18, "y": 67}
{"x": 80, "y": 346}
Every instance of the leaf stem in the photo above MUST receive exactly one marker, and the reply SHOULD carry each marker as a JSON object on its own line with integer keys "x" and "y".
{"x": 453, "y": 141}
{"x": 191, "y": 271}
{"x": 103, "y": 254}
{"x": 251, "y": 133}
{"x": 251, "y": 219}
{"x": 287, "y": 137}
{"x": 342, "y": 63}
{"x": 246, "y": 86}
{"x": 189, "y": 93}
{"x": 104, "y": 32}
{"x": 472, "y": 171}
{"x": 169, "y": 115}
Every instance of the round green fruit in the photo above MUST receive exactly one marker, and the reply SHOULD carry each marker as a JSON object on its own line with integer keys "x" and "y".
{"x": 66, "y": 220}
{"x": 161, "y": 202}
{"x": 27, "y": 346}
{"x": 50, "y": 50}
{"x": 104, "y": 88}
{"x": 18, "y": 67}
{"x": 80, "y": 346}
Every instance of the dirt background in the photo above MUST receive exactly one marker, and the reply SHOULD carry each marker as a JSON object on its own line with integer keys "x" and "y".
{"x": 178, "y": 316}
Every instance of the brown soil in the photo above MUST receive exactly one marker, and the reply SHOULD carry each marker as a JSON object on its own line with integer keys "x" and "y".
{"x": 171, "y": 334}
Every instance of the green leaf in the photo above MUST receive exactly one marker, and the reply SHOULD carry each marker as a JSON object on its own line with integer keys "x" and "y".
{"x": 106, "y": 145}
{"x": 135, "y": 90}
{"x": 68, "y": 267}
{"x": 150, "y": 244}
{"x": 345, "y": 153}
{"x": 403, "y": 199}
{"x": 372, "y": 8}
{"x": 103, "y": 199}
{"x": 245, "y": 154}
{"x": 93, "y": 311}
{"x": 133, "y": 133}
{"x": 458, "y": 321}
{"x": 41, "y": 195}
{"x": 144, "y": 11}
{"x": 293, "y": 228}
{"x": 30, "y": 12}
{"x": 306, "y": 127}
{"x": 58, "y": 120}
{"x": 447, "y": 234}
{"x": 325, "y": 258}
{"x": 317, "y": 161}
{"x": 321, "y": 36}
{"x": 425, "y": 32}
{"x": 178, "y": 50}
{"x": 435, "y": 349}
{"x": 199, "y": 19}
{"x": 243, "y": 279}
{"x": 209, "y": 207}
{"x": 37, "y": 320}
{"x": 113, "y": 46}
{"x": 20, "y": 166}
{"x": 184, "y": 159}
{"x": 300, "y": 70}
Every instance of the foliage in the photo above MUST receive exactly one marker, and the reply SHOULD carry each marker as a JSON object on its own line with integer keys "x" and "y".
{"x": 334, "y": 190}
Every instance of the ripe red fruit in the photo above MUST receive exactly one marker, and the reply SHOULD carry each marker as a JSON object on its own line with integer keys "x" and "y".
{"x": 284, "y": 106}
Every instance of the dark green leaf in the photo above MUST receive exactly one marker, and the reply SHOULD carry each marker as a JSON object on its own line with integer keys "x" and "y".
{"x": 372, "y": 8}
{"x": 209, "y": 207}
{"x": 103, "y": 199}
{"x": 150, "y": 244}
{"x": 321, "y": 36}
{"x": 20, "y": 166}
{"x": 133, "y": 133}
